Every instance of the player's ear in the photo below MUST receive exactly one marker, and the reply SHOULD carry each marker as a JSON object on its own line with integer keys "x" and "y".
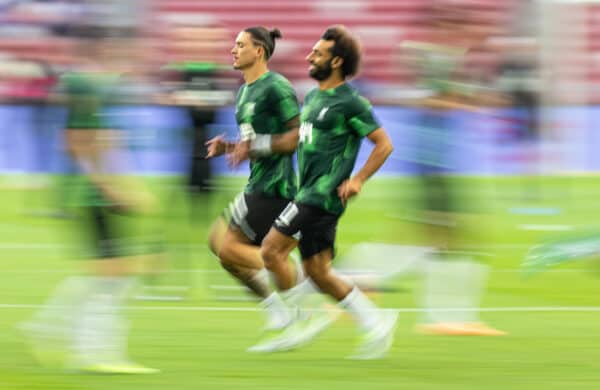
{"x": 337, "y": 62}
{"x": 260, "y": 51}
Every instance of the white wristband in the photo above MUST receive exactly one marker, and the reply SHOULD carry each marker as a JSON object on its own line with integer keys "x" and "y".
{"x": 261, "y": 146}
{"x": 247, "y": 132}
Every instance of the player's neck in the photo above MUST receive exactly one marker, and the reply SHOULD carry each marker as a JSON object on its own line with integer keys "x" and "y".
{"x": 331, "y": 82}
{"x": 255, "y": 72}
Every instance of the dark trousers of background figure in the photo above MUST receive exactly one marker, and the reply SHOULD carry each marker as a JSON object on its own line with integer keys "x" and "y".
{"x": 196, "y": 190}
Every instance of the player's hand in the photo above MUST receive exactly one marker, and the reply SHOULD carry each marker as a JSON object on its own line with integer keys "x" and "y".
{"x": 240, "y": 153}
{"x": 348, "y": 189}
{"x": 216, "y": 146}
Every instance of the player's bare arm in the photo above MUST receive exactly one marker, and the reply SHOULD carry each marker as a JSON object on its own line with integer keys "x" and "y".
{"x": 287, "y": 142}
{"x": 383, "y": 148}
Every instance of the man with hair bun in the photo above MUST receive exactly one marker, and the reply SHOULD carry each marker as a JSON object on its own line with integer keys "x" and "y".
{"x": 267, "y": 114}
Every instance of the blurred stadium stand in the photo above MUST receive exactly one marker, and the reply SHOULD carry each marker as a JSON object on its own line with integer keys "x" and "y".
{"x": 381, "y": 24}
{"x": 30, "y": 35}
{"x": 34, "y": 29}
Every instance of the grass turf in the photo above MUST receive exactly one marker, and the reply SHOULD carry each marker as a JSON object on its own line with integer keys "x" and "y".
{"x": 198, "y": 348}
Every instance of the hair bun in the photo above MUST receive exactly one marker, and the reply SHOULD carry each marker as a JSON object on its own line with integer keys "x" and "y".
{"x": 275, "y": 33}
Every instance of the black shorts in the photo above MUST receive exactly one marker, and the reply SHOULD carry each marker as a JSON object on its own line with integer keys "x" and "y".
{"x": 112, "y": 235}
{"x": 314, "y": 227}
{"x": 254, "y": 214}
{"x": 106, "y": 232}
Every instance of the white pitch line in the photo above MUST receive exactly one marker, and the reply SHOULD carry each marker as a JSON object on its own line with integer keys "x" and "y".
{"x": 218, "y": 271}
{"x": 74, "y": 271}
{"x": 507, "y": 309}
{"x": 198, "y": 246}
{"x": 546, "y": 228}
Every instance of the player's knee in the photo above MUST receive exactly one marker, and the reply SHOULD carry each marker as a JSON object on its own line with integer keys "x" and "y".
{"x": 213, "y": 245}
{"x": 216, "y": 235}
{"x": 225, "y": 252}
{"x": 271, "y": 255}
{"x": 268, "y": 255}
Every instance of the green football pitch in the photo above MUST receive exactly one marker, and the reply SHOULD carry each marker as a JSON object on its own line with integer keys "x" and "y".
{"x": 552, "y": 318}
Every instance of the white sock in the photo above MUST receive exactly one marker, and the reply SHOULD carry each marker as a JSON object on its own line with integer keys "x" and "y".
{"x": 449, "y": 285}
{"x": 362, "y": 309}
{"x": 473, "y": 281}
{"x": 262, "y": 276}
{"x": 278, "y": 313}
{"x": 305, "y": 297}
{"x": 91, "y": 336}
{"x": 298, "y": 294}
{"x": 63, "y": 299}
{"x": 99, "y": 333}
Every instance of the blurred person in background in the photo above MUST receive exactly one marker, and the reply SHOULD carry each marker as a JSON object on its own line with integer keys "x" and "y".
{"x": 519, "y": 80}
{"x": 451, "y": 278}
{"x": 191, "y": 55}
{"x": 267, "y": 114}
{"x": 334, "y": 120}
{"x": 195, "y": 49}
{"x": 81, "y": 326}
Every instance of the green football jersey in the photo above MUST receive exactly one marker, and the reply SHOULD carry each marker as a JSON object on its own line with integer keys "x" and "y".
{"x": 438, "y": 65}
{"x": 86, "y": 95}
{"x": 333, "y": 123}
{"x": 264, "y": 107}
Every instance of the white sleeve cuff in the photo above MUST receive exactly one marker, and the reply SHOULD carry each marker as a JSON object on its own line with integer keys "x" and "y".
{"x": 261, "y": 145}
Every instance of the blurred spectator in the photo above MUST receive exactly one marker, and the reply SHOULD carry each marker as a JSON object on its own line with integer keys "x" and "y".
{"x": 452, "y": 279}
{"x": 196, "y": 49}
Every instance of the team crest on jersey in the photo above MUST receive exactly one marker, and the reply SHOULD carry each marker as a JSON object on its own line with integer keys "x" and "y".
{"x": 322, "y": 113}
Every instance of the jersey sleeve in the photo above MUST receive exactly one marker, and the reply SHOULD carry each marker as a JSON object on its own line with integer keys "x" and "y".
{"x": 361, "y": 118}
{"x": 285, "y": 101}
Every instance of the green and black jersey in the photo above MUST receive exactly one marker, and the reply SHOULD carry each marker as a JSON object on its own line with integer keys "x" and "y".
{"x": 86, "y": 96}
{"x": 333, "y": 123}
{"x": 264, "y": 107}
{"x": 438, "y": 64}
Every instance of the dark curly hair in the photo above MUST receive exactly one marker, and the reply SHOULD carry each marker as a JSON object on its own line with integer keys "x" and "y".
{"x": 345, "y": 46}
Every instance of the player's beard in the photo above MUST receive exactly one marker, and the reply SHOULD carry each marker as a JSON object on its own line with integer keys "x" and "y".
{"x": 322, "y": 72}
{"x": 243, "y": 66}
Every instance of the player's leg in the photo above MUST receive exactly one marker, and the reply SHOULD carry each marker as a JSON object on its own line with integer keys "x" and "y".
{"x": 237, "y": 244}
{"x": 238, "y": 248}
{"x": 316, "y": 230}
{"x": 308, "y": 322}
{"x": 451, "y": 280}
{"x": 275, "y": 250}
{"x": 237, "y": 235}
{"x": 242, "y": 253}
{"x": 377, "y": 326}
{"x": 237, "y": 252}
{"x": 242, "y": 260}
{"x": 276, "y": 247}
{"x": 99, "y": 330}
